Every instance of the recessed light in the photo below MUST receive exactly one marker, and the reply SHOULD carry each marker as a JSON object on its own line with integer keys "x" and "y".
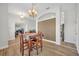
{"x": 22, "y": 16}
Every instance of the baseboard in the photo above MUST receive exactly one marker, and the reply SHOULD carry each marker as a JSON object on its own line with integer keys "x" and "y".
{"x": 69, "y": 41}
{"x": 6, "y": 46}
{"x": 12, "y": 38}
{"x": 4, "y": 51}
{"x": 77, "y": 49}
{"x": 49, "y": 41}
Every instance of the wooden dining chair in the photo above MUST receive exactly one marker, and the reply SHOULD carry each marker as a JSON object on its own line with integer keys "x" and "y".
{"x": 37, "y": 40}
{"x": 40, "y": 40}
{"x": 35, "y": 43}
{"x": 24, "y": 44}
{"x": 30, "y": 44}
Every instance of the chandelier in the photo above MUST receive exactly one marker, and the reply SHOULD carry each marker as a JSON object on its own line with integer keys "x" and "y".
{"x": 32, "y": 12}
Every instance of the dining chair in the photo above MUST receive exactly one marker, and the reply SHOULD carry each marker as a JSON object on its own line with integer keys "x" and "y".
{"x": 40, "y": 40}
{"x": 35, "y": 42}
{"x": 24, "y": 44}
{"x": 30, "y": 44}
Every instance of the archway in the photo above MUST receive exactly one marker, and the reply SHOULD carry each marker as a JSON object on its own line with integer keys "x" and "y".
{"x": 53, "y": 14}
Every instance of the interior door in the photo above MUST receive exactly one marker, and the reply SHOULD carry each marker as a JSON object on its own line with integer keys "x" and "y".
{"x": 48, "y": 27}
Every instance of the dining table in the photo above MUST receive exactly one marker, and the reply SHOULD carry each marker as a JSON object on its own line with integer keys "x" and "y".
{"x": 29, "y": 36}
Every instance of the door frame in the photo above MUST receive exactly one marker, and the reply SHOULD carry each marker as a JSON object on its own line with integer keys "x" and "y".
{"x": 55, "y": 32}
{"x": 58, "y": 21}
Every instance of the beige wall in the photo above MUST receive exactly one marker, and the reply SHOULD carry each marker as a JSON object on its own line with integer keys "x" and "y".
{"x": 48, "y": 27}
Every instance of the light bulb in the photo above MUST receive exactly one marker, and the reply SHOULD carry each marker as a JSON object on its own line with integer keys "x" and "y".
{"x": 21, "y": 16}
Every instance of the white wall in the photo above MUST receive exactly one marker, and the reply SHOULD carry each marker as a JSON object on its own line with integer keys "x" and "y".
{"x": 11, "y": 24}
{"x": 30, "y": 24}
{"x": 58, "y": 17}
{"x": 69, "y": 22}
{"x": 4, "y": 34}
{"x": 12, "y": 20}
{"x": 77, "y": 28}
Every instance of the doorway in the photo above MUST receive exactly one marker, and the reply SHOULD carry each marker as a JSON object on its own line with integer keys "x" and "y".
{"x": 62, "y": 32}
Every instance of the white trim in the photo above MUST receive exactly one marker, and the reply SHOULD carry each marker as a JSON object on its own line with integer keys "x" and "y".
{"x": 49, "y": 41}
{"x": 77, "y": 28}
{"x": 12, "y": 38}
{"x": 77, "y": 44}
{"x": 58, "y": 44}
{"x": 6, "y": 46}
{"x": 57, "y": 11}
{"x": 46, "y": 19}
{"x": 48, "y": 11}
{"x": 78, "y": 49}
{"x": 40, "y": 21}
{"x": 69, "y": 41}
{"x": 37, "y": 30}
{"x": 36, "y": 26}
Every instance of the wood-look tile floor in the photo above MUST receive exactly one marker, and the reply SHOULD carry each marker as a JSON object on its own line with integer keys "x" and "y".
{"x": 49, "y": 49}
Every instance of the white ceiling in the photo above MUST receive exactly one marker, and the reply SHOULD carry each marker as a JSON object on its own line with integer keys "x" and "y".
{"x": 18, "y": 8}
{"x": 15, "y": 8}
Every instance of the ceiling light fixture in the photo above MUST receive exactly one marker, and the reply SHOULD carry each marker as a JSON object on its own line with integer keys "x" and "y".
{"x": 22, "y": 16}
{"x": 32, "y": 12}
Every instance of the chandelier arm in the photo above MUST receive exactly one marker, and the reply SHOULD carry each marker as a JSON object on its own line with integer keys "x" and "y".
{"x": 33, "y": 11}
